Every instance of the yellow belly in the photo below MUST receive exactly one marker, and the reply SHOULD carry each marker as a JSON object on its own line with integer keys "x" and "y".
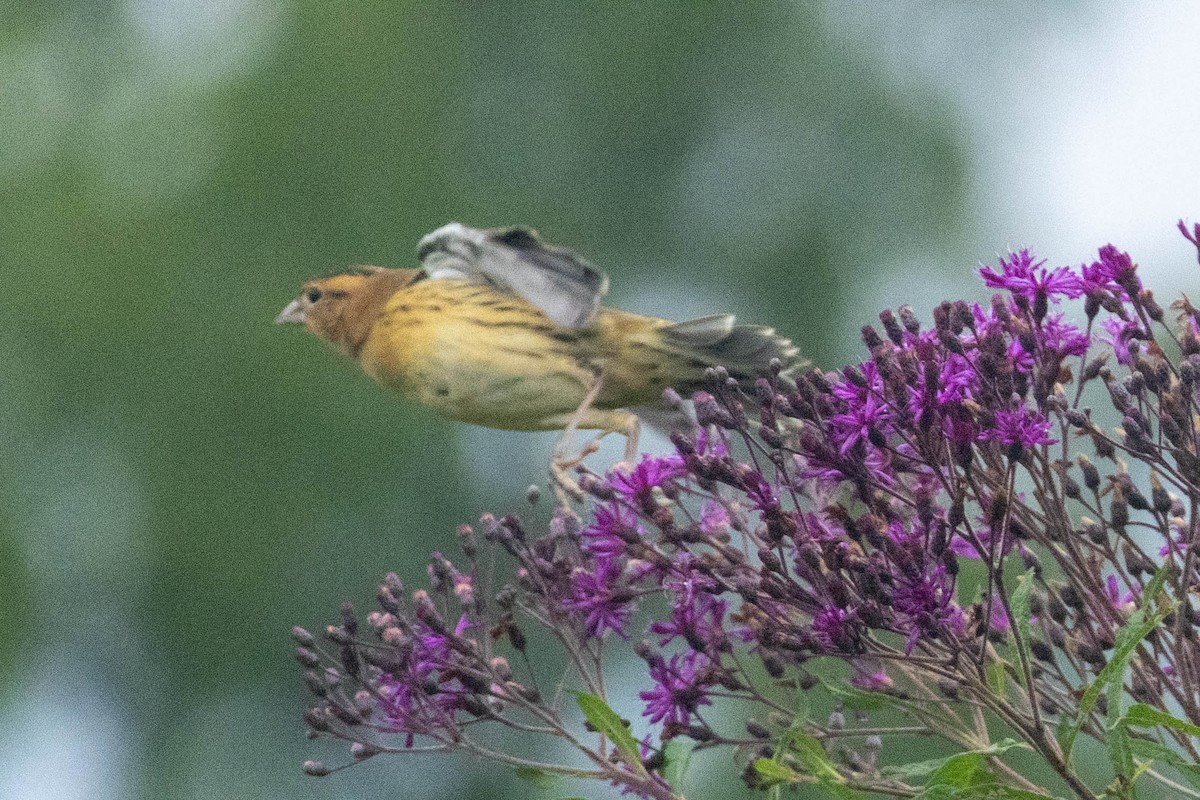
{"x": 479, "y": 356}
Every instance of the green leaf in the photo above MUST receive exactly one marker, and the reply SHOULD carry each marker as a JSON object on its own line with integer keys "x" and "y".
{"x": 997, "y": 676}
{"x": 1019, "y": 603}
{"x": 986, "y": 791}
{"x": 1140, "y": 623}
{"x": 1153, "y": 751}
{"x": 1149, "y": 716}
{"x": 919, "y": 769}
{"x": 959, "y": 771}
{"x": 538, "y": 777}
{"x": 914, "y": 771}
{"x": 1117, "y": 740}
{"x": 813, "y": 761}
{"x": 858, "y": 699}
{"x": 678, "y": 754}
{"x": 1120, "y": 756}
{"x": 813, "y": 757}
{"x": 772, "y": 772}
{"x": 606, "y": 721}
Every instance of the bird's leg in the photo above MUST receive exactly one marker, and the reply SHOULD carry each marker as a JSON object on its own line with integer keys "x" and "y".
{"x": 632, "y": 431}
{"x": 563, "y": 449}
{"x": 587, "y": 416}
{"x": 616, "y": 421}
{"x": 627, "y": 425}
{"x": 564, "y": 485}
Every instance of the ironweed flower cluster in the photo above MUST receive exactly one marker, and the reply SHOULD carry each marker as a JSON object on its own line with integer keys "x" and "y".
{"x": 950, "y": 519}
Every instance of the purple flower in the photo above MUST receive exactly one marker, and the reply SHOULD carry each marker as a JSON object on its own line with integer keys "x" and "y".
{"x": 959, "y": 426}
{"x": 714, "y": 517}
{"x": 678, "y": 691}
{"x": 853, "y": 392}
{"x": 697, "y": 616}
{"x": 836, "y": 630}
{"x": 957, "y": 380}
{"x": 604, "y": 537}
{"x": 829, "y": 472}
{"x": 901, "y": 534}
{"x": 1192, "y": 236}
{"x": 1122, "y": 601}
{"x": 760, "y": 492}
{"x": 964, "y": 548}
{"x": 1178, "y": 543}
{"x": 712, "y": 445}
{"x": 602, "y": 598}
{"x": 999, "y": 621}
{"x": 1025, "y": 428}
{"x": 1119, "y": 269}
{"x": 650, "y": 472}
{"x": 1021, "y": 276}
{"x": 1062, "y": 337}
{"x": 433, "y": 649}
{"x": 421, "y": 696}
{"x": 926, "y": 606}
{"x": 870, "y": 413}
{"x": 1098, "y": 278}
{"x": 870, "y": 679}
{"x": 398, "y": 700}
{"x": 1021, "y": 359}
{"x": 1120, "y": 333}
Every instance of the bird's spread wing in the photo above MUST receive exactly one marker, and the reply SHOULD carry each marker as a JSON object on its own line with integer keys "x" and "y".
{"x": 562, "y": 285}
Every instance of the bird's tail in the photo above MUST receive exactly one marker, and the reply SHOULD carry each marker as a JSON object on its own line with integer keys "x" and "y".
{"x": 746, "y": 351}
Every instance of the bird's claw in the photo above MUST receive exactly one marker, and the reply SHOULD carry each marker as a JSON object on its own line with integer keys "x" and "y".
{"x": 566, "y": 488}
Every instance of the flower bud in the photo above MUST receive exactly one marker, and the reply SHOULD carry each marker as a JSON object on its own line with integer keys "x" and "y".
{"x": 871, "y": 337}
{"x": 892, "y": 327}
{"x": 307, "y": 657}
{"x": 1091, "y": 475}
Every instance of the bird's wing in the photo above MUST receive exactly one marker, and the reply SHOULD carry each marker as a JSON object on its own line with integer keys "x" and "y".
{"x": 566, "y": 288}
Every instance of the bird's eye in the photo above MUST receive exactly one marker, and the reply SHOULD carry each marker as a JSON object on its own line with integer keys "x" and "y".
{"x": 314, "y": 294}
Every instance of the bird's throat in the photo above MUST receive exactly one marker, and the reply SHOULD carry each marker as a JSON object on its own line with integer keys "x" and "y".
{"x": 361, "y": 311}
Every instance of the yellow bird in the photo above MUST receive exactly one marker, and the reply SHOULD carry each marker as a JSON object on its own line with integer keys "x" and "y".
{"x": 500, "y": 329}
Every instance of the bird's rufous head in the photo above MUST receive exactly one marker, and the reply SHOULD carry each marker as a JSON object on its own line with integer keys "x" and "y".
{"x": 342, "y": 308}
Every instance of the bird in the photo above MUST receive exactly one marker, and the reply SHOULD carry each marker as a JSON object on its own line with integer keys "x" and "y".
{"x": 498, "y": 328}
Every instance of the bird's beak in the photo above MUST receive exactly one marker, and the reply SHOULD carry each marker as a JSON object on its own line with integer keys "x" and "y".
{"x": 292, "y": 312}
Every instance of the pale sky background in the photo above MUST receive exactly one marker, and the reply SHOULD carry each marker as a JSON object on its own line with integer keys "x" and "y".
{"x": 1083, "y": 129}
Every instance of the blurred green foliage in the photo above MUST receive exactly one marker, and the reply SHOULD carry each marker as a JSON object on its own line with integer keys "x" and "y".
{"x": 181, "y": 481}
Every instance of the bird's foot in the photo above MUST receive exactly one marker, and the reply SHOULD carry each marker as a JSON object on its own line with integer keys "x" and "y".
{"x": 628, "y": 463}
{"x": 566, "y": 488}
